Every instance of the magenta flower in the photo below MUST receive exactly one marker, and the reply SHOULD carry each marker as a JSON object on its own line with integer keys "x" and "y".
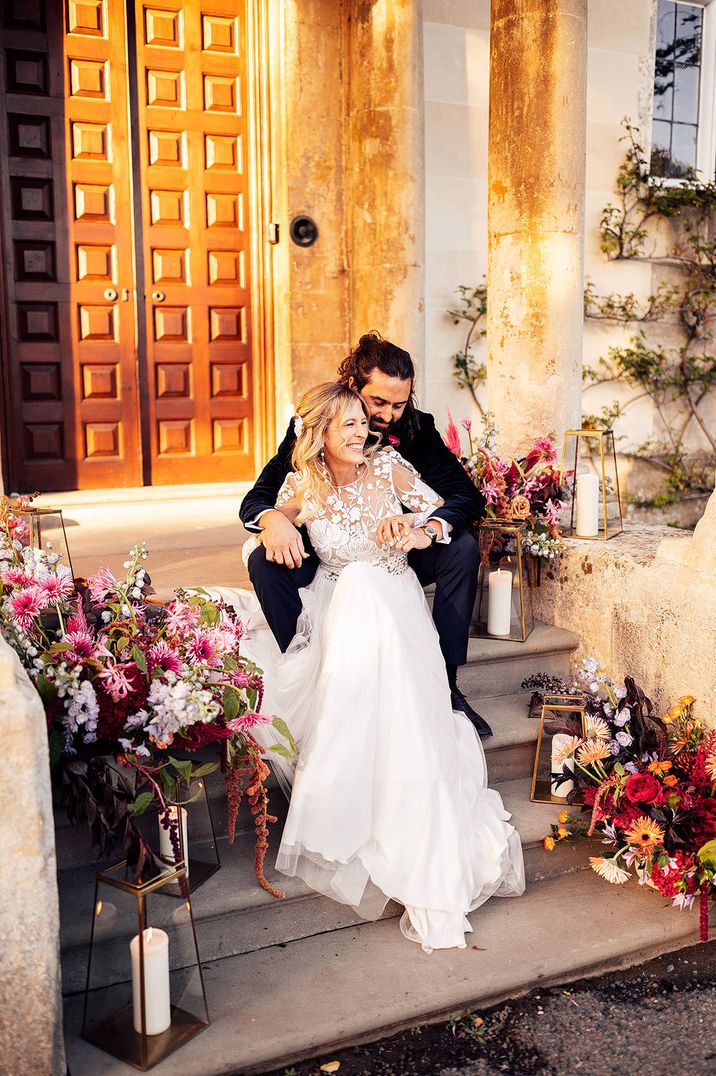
{"x": 100, "y": 585}
{"x": 116, "y": 682}
{"x": 82, "y": 645}
{"x": 546, "y": 447}
{"x": 161, "y": 656}
{"x": 25, "y": 606}
{"x": 552, "y": 512}
{"x": 246, "y": 722}
{"x": 466, "y": 424}
{"x": 491, "y": 492}
{"x": 393, "y": 440}
{"x": 452, "y": 437}
{"x": 15, "y": 577}
{"x": 181, "y": 619}
{"x": 202, "y": 647}
{"x": 56, "y": 588}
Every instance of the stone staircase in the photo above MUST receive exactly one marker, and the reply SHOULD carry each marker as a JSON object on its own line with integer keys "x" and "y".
{"x": 304, "y": 976}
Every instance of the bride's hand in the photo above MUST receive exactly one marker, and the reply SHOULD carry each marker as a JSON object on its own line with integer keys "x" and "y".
{"x": 416, "y": 538}
{"x": 392, "y": 530}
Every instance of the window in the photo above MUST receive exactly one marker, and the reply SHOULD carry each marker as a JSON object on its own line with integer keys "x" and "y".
{"x": 679, "y": 83}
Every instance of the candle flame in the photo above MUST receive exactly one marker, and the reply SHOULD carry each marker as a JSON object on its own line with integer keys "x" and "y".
{"x": 98, "y": 909}
{"x": 148, "y": 935}
{"x": 188, "y": 906}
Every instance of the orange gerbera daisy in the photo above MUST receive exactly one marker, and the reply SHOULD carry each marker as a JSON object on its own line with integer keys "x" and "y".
{"x": 659, "y": 767}
{"x": 592, "y": 751}
{"x": 566, "y": 750}
{"x": 645, "y": 834}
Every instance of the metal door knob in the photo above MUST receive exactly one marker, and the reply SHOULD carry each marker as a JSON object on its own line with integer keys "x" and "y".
{"x": 111, "y": 295}
{"x": 158, "y": 296}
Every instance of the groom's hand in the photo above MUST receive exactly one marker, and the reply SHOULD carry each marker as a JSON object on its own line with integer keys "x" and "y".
{"x": 282, "y": 541}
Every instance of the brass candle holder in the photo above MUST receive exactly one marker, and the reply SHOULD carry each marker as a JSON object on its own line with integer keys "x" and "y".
{"x": 201, "y": 851}
{"x": 144, "y": 993}
{"x": 46, "y": 530}
{"x": 562, "y": 715}
{"x": 607, "y": 462}
{"x": 503, "y": 535}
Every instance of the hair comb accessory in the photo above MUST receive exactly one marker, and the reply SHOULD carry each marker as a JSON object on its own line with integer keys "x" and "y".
{"x": 297, "y": 424}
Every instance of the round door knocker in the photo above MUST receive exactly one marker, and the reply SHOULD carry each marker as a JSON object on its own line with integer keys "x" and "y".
{"x": 304, "y": 231}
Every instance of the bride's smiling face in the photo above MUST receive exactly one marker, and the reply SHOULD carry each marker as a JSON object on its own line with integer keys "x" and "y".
{"x": 345, "y": 438}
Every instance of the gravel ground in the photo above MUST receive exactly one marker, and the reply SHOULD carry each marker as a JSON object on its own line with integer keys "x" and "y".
{"x": 654, "y": 1020}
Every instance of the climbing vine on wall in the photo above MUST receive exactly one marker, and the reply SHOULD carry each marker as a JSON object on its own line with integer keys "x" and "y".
{"x": 678, "y": 378}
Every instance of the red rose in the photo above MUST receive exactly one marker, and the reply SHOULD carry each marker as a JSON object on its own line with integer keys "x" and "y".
{"x": 643, "y": 788}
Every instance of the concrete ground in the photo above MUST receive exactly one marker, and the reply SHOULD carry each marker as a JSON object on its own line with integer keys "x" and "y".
{"x": 193, "y": 533}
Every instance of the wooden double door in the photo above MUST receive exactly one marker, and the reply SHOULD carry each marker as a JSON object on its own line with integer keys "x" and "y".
{"x": 123, "y": 169}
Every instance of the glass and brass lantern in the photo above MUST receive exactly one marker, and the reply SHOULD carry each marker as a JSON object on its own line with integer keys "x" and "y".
{"x": 504, "y": 582}
{"x": 45, "y": 529}
{"x": 596, "y": 508}
{"x": 561, "y": 729}
{"x": 144, "y": 992}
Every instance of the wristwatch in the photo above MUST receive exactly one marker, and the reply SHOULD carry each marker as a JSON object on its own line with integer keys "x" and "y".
{"x": 432, "y": 532}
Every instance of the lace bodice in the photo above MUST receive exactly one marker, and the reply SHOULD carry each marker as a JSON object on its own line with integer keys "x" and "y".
{"x": 342, "y": 527}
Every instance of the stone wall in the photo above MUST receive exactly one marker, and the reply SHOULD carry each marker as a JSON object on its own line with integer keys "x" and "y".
{"x": 644, "y": 603}
{"x": 31, "y": 1040}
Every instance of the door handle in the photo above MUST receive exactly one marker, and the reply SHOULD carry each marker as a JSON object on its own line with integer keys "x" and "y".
{"x": 158, "y": 296}
{"x": 111, "y": 295}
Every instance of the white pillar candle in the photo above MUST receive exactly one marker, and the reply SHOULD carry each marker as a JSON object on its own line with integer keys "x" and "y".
{"x": 562, "y": 789}
{"x": 499, "y": 602}
{"x": 166, "y": 850}
{"x": 587, "y": 505}
{"x": 157, "y": 1005}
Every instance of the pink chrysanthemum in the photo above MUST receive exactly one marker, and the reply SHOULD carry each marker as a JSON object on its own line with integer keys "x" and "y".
{"x": 100, "y": 584}
{"x": 202, "y": 647}
{"x": 246, "y": 722}
{"x": 181, "y": 619}
{"x": 161, "y": 656}
{"x": 56, "y": 588}
{"x": 82, "y": 645}
{"x": 546, "y": 447}
{"x": 15, "y": 577}
{"x": 25, "y": 606}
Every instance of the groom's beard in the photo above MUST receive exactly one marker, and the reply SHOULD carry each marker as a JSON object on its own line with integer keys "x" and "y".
{"x": 383, "y": 428}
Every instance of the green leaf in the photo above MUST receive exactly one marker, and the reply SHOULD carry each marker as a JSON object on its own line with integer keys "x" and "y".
{"x": 57, "y": 745}
{"x": 183, "y": 768}
{"x": 707, "y": 854}
{"x": 205, "y": 768}
{"x": 122, "y": 643}
{"x": 142, "y": 802}
{"x": 280, "y": 725}
{"x": 139, "y": 658}
{"x": 209, "y": 614}
{"x": 231, "y": 703}
{"x": 168, "y": 783}
{"x": 281, "y": 750}
{"x": 45, "y": 689}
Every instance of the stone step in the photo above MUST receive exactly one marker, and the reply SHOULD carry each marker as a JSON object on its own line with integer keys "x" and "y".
{"x": 309, "y": 998}
{"x": 234, "y": 915}
{"x": 509, "y": 752}
{"x": 496, "y": 667}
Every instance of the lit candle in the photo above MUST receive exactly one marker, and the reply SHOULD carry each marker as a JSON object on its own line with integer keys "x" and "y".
{"x": 563, "y": 788}
{"x": 166, "y": 851}
{"x": 499, "y": 602}
{"x": 587, "y": 505}
{"x": 157, "y": 1006}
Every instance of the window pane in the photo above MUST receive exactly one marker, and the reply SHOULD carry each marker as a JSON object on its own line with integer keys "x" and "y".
{"x": 687, "y": 46}
{"x": 683, "y": 148}
{"x": 665, "y": 25}
{"x": 686, "y": 94}
{"x": 660, "y": 148}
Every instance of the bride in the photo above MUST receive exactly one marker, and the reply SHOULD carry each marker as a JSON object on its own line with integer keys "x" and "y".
{"x": 389, "y": 796}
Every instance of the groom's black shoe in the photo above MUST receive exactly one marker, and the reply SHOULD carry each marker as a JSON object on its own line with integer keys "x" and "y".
{"x": 459, "y": 702}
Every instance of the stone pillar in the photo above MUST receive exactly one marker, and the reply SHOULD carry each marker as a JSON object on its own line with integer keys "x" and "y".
{"x": 30, "y": 998}
{"x": 386, "y": 184}
{"x": 536, "y": 173}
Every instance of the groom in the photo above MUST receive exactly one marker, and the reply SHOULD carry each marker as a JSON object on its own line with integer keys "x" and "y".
{"x": 384, "y": 376}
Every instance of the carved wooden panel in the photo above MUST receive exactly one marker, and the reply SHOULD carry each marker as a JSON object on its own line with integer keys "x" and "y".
{"x": 95, "y": 262}
{"x": 228, "y": 379}
{"x": 88, "y": 78}
{"x": 24, "y": 14}
{"x": 101, "y": 439}
{"x": 99, "y": 382}
{"x": 173, "y": 379}
{"x": 87, "y": 17}
{"x": 40, "y": 381}
{"x": 31, "y": 198}
{"x": 175, "y": 437}
{"x": 29, "y": 135}
{"x": 169, "y": 266}
{"x": 93, "y": 202}
{"x": 34, "y": 260}
{"x": 26, "y": 72}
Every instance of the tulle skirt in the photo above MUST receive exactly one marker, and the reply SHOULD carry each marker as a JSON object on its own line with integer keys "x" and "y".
{"x": 389, "y": 798}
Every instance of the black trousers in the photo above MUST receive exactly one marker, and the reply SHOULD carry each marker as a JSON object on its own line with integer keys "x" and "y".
{"x": 452, "y": 567}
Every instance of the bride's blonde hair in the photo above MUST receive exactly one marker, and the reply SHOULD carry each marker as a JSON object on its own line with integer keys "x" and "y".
{"x": 316, "y": 411}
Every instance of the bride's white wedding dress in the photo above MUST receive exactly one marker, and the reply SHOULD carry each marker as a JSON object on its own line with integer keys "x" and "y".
{"x": 389, "y": 798}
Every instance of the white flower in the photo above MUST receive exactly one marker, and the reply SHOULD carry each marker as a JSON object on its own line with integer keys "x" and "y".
{"x": 297, "y": 425}
{"x": 106, "y": 616}
{"x": 136, "y": 592}
{"x": 83, "y": 710}
{"x": 624, "y": 738}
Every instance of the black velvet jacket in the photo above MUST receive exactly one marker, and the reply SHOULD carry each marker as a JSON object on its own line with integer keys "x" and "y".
{"x": 427, "y": 452}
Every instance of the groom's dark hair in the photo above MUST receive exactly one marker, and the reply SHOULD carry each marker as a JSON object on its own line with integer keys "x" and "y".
{"x": 374, "y": 352}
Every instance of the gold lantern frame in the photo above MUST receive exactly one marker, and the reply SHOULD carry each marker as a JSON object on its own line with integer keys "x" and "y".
{"x": 34, "y": 517}
{"x": 607, "y": 450}
{"x": 541, "y": 788}
{"x": 516, "y": 529}
{"x": 115, "y": 1034}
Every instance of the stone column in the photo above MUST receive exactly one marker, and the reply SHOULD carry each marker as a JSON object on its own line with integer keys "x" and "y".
{"x": 386, "y": 184}
{"x": 30, "y": 998}
{"x": 536, "y": 172}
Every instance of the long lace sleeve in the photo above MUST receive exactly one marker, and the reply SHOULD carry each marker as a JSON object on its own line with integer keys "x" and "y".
{"x": 287, "y": 497}
{"x": 416, "y": 495}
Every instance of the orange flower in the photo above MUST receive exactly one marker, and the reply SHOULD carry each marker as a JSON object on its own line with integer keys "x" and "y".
{"x": 592, "y": 751}
{"x": 562, "y": 833}
{"x": 671, "y": 780}
{"x": 645, "y": 834}
{"x": 659, "y": 767}
{"x": 687, "y": 700}
{"x": 548, "y": 843}
{"x": 563, "y": 817}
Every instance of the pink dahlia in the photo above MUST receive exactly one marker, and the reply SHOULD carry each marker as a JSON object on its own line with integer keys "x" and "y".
{"x": 246, "y": 722}
{"x": 82, "y": 645}
{"x": 100, "y": 585}
{"x": 161, "y": 656}
{"x": 202, "y": 647}
{"x": 25, "y": 606}
{"x": 56, "y": 588}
